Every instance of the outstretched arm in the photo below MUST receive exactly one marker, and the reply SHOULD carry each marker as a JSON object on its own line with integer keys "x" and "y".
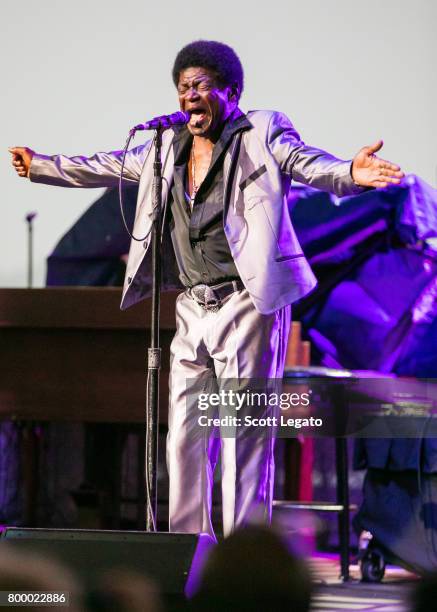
{"x": 315, "y": 167}
{"x": 100, "y": 170}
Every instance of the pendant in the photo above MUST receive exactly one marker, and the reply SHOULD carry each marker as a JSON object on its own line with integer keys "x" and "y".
{"x": 193, "y": 196}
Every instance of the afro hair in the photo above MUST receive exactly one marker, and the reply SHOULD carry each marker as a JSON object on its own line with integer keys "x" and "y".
{"x": 216, "y": 56}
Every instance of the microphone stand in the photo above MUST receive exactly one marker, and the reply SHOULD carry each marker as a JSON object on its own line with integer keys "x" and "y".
{"x": 154, "y": 351}
{"x": 29, "y": 430}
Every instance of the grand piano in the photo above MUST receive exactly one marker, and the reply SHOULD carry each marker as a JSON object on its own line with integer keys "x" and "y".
{"x": 69, "y": 354}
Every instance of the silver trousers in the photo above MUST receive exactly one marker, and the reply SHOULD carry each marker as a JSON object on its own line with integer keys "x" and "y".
{"x": 237, "y": 342}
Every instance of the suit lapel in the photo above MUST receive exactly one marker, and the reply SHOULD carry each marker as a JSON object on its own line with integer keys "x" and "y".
{"x": 229, "y": 166}
{"x": 144, "y": 207}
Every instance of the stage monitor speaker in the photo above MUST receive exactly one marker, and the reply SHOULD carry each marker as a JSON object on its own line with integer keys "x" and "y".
{"x": 173, "y": 560}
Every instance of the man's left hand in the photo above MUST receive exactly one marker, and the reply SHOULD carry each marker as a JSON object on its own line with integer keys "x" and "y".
{"x": 368, "y": 170}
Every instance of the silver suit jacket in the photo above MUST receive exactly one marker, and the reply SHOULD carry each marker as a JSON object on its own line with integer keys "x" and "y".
{"x": 258, "y": 169}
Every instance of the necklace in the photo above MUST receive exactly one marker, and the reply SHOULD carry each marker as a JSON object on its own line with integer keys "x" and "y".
{"x": 193, "y": 177}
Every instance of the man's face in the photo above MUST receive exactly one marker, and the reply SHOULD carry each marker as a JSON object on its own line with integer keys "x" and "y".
{"x": 208, "y": 103}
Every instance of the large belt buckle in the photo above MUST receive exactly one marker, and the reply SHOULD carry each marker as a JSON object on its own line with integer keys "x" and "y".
{"x": 206, "y": 297}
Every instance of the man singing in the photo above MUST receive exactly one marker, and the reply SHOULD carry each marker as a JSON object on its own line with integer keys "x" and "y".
{"x": 227, "y": 178}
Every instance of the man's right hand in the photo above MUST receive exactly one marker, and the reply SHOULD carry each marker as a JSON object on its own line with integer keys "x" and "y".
{"x": 21, "y": 159}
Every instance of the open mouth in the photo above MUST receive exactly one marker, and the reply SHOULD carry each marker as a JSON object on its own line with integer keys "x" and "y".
{"x": 197, "y": 116}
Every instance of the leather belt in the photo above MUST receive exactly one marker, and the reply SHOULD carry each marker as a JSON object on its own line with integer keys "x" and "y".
{"x": 210, "y": 297}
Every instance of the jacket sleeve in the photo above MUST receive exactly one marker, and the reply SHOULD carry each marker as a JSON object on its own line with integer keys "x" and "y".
{"x": 307, "y": 164}
{"x": 100, "y": 170}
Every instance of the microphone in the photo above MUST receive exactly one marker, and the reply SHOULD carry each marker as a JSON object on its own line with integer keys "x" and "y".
{"x": 31, "y": 216}
{"x": 163, "y": 122}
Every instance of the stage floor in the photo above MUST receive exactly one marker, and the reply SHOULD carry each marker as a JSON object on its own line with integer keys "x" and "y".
{"x": 391, "y": 595}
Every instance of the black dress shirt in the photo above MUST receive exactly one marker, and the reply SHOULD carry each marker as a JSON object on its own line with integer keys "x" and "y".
{"x": 199, "y": 241}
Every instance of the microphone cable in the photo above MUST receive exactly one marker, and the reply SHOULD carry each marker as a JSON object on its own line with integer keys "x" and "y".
{"x": 120, "y": 191}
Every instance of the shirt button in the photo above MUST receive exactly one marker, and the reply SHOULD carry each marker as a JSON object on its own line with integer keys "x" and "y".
{"x": 129, "y": 280}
